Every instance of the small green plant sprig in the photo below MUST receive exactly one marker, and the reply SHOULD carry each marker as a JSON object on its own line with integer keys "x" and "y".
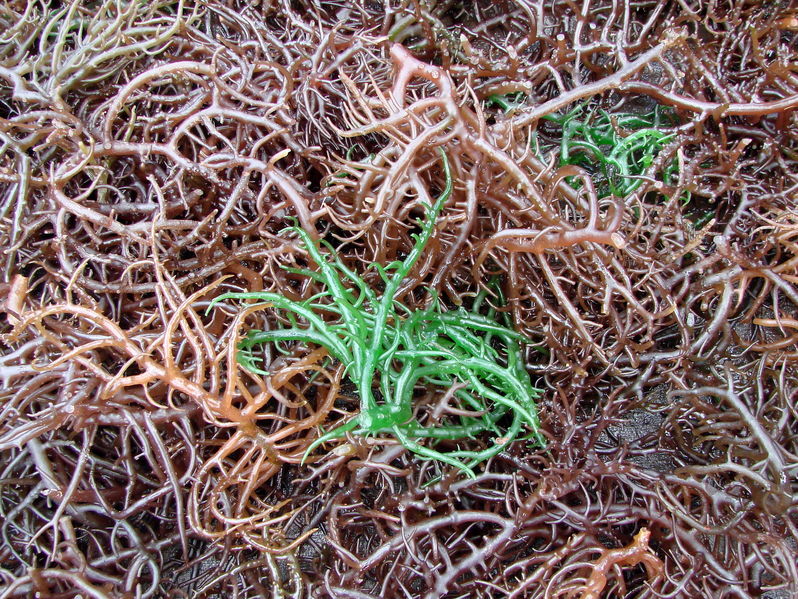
{"x": 615, "y": 148}
{"x": 390, "y": 350}
{"x": 619, "y": 148}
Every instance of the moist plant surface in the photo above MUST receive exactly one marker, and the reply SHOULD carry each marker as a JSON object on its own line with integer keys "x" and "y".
{"x": 401, "y": 299}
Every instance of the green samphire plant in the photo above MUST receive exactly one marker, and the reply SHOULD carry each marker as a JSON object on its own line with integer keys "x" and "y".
{"x": 467, "y": 357}
{"x": 617, "y": 149}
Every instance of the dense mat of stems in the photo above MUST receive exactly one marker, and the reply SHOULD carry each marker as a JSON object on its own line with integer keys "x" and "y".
{"x": 152, "y": 156}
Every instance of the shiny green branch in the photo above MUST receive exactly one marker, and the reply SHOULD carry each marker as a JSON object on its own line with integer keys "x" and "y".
{"x": 390, "y": 351}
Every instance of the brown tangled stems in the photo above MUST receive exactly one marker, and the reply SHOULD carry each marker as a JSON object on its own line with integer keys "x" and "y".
{"x": 152, "y": 155}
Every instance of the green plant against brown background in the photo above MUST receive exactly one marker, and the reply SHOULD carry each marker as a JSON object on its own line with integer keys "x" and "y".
{"x": 390, "y": 350}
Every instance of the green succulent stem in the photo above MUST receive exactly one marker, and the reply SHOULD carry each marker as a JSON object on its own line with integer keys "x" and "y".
{"x": 385, "y": 344}
{"x": 617, "y": 149}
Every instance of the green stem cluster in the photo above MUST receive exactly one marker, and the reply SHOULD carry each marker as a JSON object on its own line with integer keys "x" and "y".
{"x": 390, "y": 351}
{"x": 619, "y": 148}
